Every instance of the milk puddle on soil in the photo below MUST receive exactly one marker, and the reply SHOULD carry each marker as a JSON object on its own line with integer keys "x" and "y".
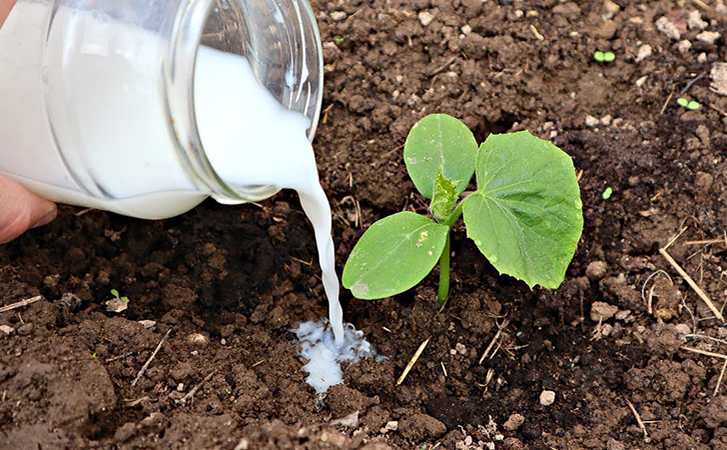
{"x": 280, "y": 155}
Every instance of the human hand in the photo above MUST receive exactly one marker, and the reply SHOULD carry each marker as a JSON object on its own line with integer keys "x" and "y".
{"x": 5, "y": 7}
{"x": 21, "y": 210}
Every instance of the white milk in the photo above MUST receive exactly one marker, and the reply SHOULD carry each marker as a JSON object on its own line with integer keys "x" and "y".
{"x": 250, "y": 139}
{"x": 326, "y": 355}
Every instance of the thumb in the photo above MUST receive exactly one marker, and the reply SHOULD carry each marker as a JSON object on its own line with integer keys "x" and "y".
{"x": 21, "y": 210}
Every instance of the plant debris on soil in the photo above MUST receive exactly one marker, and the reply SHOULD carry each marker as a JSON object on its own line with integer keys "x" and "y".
{"x": 624, "y": 355}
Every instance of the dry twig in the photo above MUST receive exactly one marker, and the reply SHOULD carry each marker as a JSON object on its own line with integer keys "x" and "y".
{"x": 704, "y": 352}
{"x": 705, "y": 242}
{"x": 413, "y": 361}
{"x": 668, "y": 99}
{"x": 492, "y": 342}
{"x": 537, "y": 33}
{"x": 647, "y": 439}
{"x": 692, "y": 284}
{"x": 194, "y": 390}
{"x": 713, "y": 355}
{"x": 686, "y": 276}
{"x": 719, "y": 110}
{"x": 443, "y": 67}
{"x": 21, "y": 303}
{"x": 701, "y": 4}
{"x": 648, "y": 300}
{"x": 719, "y": 380}
{"x": 148, "y": 361}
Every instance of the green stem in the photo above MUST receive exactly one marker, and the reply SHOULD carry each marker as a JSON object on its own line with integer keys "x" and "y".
{"x": 443, "y": 293}
{"x": 455, "y": 215}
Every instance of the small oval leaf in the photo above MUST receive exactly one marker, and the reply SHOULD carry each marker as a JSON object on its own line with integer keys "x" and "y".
{"x": 440, "y": 141}
{"x": 393, "y": 255}
{"x": 526, "y": 216}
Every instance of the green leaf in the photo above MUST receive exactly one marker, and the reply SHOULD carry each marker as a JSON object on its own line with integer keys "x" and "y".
{"x": 444, "y": 198}
{"x": 393, "y": 255}
{"x": 526, "y": 216}
{"x": 440, "y": 141}
{"x": 115, "y": 293}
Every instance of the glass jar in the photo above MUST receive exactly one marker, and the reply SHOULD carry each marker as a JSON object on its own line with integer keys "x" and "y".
{"x": 97, "y": 96}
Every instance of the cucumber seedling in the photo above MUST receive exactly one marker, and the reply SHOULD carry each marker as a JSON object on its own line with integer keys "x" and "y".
{"x": 117, "y": 296}
{"x": 525, "y": 215}
{"x": 604, "y": 57}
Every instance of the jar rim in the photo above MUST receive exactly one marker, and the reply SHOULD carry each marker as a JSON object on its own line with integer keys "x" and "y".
{"x": 179, "y": 72}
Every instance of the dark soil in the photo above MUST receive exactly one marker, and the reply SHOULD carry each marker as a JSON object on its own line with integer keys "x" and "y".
{"x": 229, "y": 282}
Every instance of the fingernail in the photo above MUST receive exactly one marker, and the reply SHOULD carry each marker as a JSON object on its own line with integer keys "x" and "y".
{"x": 45, "y": 220}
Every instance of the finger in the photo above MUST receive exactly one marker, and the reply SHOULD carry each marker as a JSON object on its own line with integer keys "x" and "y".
{"x": 20, "y": 210}
{"x": 5, "y": 7}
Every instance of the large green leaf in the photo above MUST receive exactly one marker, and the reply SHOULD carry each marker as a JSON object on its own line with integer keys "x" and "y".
{"x": 440, "y": 141}
{"x": 526, "y": 216}
{"x": 393, "y": 255}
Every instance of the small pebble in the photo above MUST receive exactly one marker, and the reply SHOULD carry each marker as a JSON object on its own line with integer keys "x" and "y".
{"x": 198, "y": 340}
{"x": 7, "y": 330}
{"x": 147, "y": 323}
{"x": 622, "y": 314}
{"x": 640, "y": 82}
{"x": 702, "y": 58}
{"x": 611, "y": 8}
{"x": 466, "y": 29}
{"x": 668, "y": 29}
{"x": 708, "y": 37}
{"x": 514, "y": 422}
{"x": 644, "y": 52}
{"x": 601, "y": 311}
{"x": 606, "y": 330}
{"x": 390, "y": 426}
{"x": 596, "y": 270}
{"x": 683, "y": 329}
{"x": 718, "y": 74}
{"x": 606, "y": 120}
{"x": 684, "y": 46}
{"x": 591, "y": 121}
{"x": 116, "y": 305}
{"x": 25, "y": 329}
{"x": 425, "y": 18}
{"x": 460, "y": 348}
{"x": 547, "y": 398}
{"x": 695, "y": 22}
{"x": 338, "y": 16}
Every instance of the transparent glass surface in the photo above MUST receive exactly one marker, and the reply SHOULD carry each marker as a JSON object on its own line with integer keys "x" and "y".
{"x": 103, "y": 94}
